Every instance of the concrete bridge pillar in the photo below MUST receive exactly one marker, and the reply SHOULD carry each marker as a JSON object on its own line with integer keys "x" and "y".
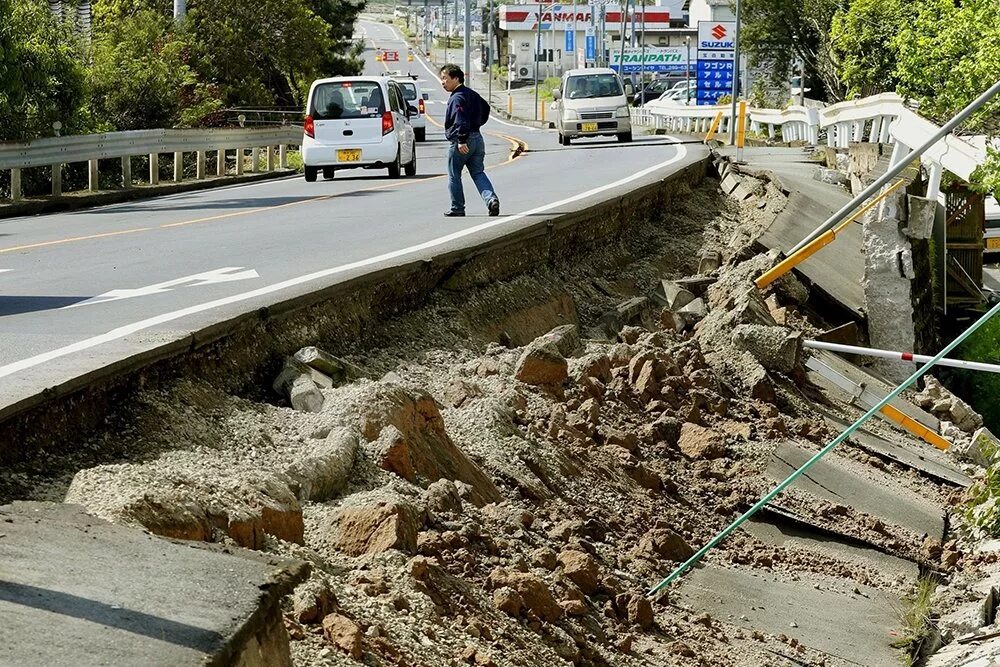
{"x": 887, "y": 284}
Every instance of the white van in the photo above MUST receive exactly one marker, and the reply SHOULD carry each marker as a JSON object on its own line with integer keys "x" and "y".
{"x": 358, "y": 122}
{"x": 592, "y": 103}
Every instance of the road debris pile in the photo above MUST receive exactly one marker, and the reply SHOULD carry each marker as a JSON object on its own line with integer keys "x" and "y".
{"x": 485, "y": 484}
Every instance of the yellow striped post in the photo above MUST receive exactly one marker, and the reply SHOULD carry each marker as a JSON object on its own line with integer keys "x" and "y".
{"x": 715, "y": 127}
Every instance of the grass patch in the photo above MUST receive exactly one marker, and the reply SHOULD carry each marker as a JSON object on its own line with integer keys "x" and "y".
{"x": 915, "y": 619}
{"x": 295, "y": 161}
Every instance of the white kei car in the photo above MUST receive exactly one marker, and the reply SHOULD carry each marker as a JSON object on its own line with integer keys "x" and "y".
{"x": 358, "y": 122}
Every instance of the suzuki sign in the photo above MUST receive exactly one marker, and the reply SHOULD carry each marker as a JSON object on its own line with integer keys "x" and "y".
{"x": 716, "y": 35}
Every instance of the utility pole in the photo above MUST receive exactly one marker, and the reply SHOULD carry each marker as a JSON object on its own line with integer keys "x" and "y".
{"x": 467, "y": 41}
{"x": 489, "y": 53}
{"x": 736, "y": 75}
{"x": 621, "y": 35}
{"x": 687, "y": 76}
{"x": 180, "y": 10}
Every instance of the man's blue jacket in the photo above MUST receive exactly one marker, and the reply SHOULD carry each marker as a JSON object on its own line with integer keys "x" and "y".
{"x": 464, "y": 114}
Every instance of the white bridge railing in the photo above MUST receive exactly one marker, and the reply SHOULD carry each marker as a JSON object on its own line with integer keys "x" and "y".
{"x": 881, "y": 118}
{"x": 58, "y": 151}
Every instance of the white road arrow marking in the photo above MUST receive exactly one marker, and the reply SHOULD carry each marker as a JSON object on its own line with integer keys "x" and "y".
{"x": 224, "y": 275}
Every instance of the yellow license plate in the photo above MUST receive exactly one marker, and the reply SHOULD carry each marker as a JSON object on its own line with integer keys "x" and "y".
{"x": 993, "y": 243}
{"x": 588, "y": 127}
{"x": 349, "y": 155}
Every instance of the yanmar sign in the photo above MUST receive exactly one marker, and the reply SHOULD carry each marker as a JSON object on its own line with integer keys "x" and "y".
{"x": 716, "y": 35}
{"x": 561, "y": 17}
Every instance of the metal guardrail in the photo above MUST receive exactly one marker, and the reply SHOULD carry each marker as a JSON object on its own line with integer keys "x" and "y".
{"x": 57, "y": 151}
{"x": 882, "y": 118}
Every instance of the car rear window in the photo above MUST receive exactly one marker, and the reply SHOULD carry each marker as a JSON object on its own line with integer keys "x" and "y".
{"x": 409, "y": 91}
{"x": 347, "y": 99}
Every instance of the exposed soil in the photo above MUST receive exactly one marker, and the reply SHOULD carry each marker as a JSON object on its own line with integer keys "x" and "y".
{"x": 486, "y": 514}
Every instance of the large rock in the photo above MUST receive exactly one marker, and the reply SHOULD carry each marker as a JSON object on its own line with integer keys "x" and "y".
{"x": 776, "y": 348}
{"x": 697, "y": 442}
{"x": 565, "y": 338}
{"x": 296, "y": 382}
{"x": 946, "y": 406}
{"x": 542, "y": 365}
{"x": 313, "y": 601}
{"x": 663, "y": 543}
{"x": 581, "y": 569}
{"x": 375, "y": 527}
{"x": 343, "y": 633}
{"x": 535, "y": 595}
{"x": 174, "y": 504}
{"x": 418, "y": 446}
{"x": 324, "y": 473}
{"x": 338, "y": 370}
{"x": 673, "y": 295}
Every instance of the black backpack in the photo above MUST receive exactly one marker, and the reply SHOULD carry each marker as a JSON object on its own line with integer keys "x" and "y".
{"x": 484, "y": 110}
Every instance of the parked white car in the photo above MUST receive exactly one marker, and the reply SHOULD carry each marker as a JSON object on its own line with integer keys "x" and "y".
{"x": 592, "y": 103}
{"x": 357, "y": 123}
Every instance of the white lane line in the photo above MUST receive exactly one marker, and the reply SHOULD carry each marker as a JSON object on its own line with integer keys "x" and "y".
{"x": 148, "y": 323}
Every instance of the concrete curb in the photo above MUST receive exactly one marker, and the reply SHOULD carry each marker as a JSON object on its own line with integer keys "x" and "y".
{"x": 247, "y": 349}
{"x": 75, "y": 202}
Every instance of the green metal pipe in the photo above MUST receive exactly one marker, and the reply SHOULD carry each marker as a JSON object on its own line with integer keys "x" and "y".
{"x": 823, "y": 452}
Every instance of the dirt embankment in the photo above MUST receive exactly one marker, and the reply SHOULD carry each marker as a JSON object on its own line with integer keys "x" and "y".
{"x": 501, "y": 475}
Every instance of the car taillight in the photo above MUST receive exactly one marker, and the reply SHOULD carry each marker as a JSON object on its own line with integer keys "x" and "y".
{"x": 310, "y": 127}
{"x": 421, "y": 107}
{"x": 387, "y": 125}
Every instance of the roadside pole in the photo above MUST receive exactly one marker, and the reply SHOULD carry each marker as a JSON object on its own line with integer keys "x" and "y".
{"x": 467, "y": 42}
{"x": 489, "y": 53}
{"x": 736, "y": 78}
{"x": 642, "y": 61}
{"x": 687, "y": 75}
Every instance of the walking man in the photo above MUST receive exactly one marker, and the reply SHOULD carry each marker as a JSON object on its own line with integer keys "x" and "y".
{"x": 466, "y": 113}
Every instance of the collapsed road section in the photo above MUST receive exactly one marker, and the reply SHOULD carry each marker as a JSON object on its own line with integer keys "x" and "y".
{"x": 496, "y": 472}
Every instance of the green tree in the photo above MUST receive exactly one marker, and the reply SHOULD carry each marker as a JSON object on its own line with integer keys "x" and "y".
{"x": 779, "y": 32}
{"x": 140, "y": 77}
{"x": 341, "y": 58}
{"x": 42, "y": 78}
{"x": 265, "y": 52}
{"x": 948, "y": 55}
{"x": 864, "y": 38}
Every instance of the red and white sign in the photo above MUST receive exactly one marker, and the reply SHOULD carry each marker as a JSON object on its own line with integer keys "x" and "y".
{"x": 526, "y": 17}
{"x": 716, "y": 35}
{"x": 390, "y": 56}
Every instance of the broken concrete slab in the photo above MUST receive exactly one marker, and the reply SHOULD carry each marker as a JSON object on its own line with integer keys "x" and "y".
{"x": 709, "y": 262}
{"x": 78, "y": 590}
{"x": 982, "y": 450}
{"x": 831, "y": 619}
{"x": 296, "y": 382}
{"x": 337, "y": 369}
{"x": 832, "y": 479}
{"x": 697, "y": 285}
{"x": 774, "y": 530}
{"x": 875, "y": 386}
{"x": 906, "y": 451}
{"x": 672, "y": 295}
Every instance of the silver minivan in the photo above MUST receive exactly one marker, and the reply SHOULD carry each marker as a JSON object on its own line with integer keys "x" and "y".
{"x": 592, "y": 103}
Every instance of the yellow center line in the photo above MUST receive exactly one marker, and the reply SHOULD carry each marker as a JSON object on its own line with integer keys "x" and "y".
{"x": 513, "y": 142}
{"x": 75, "y": 238}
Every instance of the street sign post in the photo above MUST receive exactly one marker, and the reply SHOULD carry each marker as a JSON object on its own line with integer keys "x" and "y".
{"x": 716, "y": 65}
{"x": 590, "y": 50}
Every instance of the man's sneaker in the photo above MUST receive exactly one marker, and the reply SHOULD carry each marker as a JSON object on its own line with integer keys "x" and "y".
{"x": 455, "y": 214}
{"x": 494, "y": 207}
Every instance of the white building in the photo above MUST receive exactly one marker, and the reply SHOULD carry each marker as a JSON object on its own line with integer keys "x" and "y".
{"x": 657, "y": 26}
{"x": 709, "y": 10}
